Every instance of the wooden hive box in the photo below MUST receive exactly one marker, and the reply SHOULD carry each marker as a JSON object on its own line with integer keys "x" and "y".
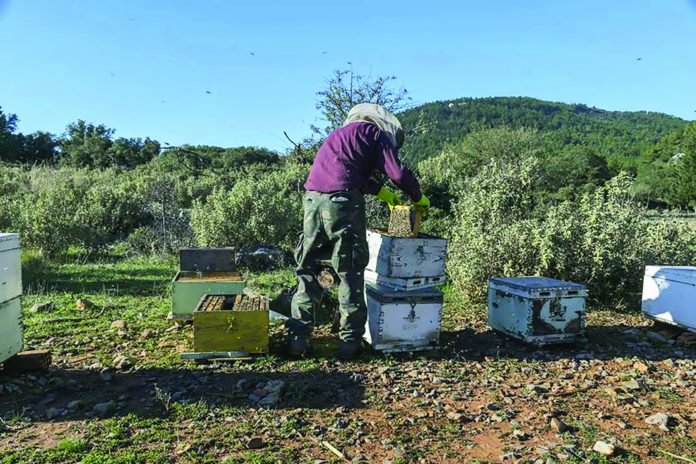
{"x": 402, "y": 321}
{"x": 231, "y": 323}
{"x": 189, "y": 287}
{"x": 405, "y": 257}
{"x": 10, "y": 292}
{"x": 537, "y": 310}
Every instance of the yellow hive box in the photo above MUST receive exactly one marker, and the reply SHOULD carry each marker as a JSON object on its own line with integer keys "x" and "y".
{"x": 231, "y": 323}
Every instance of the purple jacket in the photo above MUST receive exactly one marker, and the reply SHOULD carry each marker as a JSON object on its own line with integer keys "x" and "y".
{"x": 348, "y": 157}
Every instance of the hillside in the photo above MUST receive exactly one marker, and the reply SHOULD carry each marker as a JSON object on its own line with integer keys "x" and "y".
{"x": 617, "y": 135}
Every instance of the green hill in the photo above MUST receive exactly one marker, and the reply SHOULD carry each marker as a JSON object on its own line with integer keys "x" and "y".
{"x": 618, "y": 136}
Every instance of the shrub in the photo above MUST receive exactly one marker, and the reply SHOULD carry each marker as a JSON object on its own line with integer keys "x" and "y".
{"x": 263, "y": 210}
{"x": 604, "y": 239}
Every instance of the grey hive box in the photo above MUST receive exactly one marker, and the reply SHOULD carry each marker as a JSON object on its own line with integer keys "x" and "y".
{"x": 10, "y": 293}
{"x": 402, "y": 321}
{"x": 405, "y": 257}
{"x": 537, "y": 310}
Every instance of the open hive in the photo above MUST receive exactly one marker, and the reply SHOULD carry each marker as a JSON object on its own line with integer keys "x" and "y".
{"x": 231, "y": 323}
{"x": 189, "y": 286}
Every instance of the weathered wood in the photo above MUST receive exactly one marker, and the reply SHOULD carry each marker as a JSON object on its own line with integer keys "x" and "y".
{"x": 422, "y": 256}
{"x": 28, "y": 361}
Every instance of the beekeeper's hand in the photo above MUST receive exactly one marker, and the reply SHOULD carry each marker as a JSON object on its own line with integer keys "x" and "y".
{"x": 389, "y": 197}
{"x": 423, "y": 204}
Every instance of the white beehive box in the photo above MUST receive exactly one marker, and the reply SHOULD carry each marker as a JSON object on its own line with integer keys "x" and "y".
{"x": 669, "y": 295}
{"x": 405, "y": 283}
{"x": 399, "y": 257}
{"x": 10, "y": 292}
{"x": 537, "y": 310}
{"x": 10, "y": 267}
{"x": 402, "y": 321}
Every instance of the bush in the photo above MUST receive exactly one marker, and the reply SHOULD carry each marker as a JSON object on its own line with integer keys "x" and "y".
{"x": 604, "y": 239}
{"x": 263, "y": 210}
{"x": 78, "y": 208}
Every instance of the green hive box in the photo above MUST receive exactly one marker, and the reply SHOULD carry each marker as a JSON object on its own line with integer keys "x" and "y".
{"x": 203, "y": 271}
{"x": 189, "y": 287}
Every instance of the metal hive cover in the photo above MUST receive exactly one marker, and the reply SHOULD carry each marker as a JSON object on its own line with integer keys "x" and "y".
{"x": 535, "y": 283}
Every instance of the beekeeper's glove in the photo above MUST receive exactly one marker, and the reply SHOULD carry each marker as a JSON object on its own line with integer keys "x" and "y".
{"x": 423, "y": 204}
{"x": 389, "y": 197}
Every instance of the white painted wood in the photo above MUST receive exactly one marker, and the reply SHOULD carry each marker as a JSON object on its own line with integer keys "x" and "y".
{"x": 669, "y": 295}
{"x": 537, "y": 310}
{"x": 402, "y": 321}
{"x": 404, "y": 283}
{"x": 10, "y": 329}
{"x": 10, "y": 267}
{"x": 422, "y": 256}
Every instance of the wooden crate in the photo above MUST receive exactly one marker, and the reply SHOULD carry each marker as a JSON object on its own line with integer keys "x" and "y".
{"x": 231, "y": 323}
{"x": 189, "y": 287}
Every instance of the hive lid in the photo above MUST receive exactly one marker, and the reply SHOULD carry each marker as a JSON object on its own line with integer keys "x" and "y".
{"x": 8, "y": 241}
{"x": 207, "y": 259}
{"x": 388, "y": 292}
{"x": 680, "y": 274}
{"x": 535, "y": 283}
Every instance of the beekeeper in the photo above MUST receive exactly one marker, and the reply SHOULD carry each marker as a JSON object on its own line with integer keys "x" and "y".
{"x": 334, "y": 218}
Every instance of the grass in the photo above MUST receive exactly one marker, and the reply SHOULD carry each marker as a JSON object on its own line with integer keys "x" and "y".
{"x": 377, "y": 415}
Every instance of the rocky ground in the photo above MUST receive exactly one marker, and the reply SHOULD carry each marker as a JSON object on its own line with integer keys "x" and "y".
{"x": 117, "y": 391}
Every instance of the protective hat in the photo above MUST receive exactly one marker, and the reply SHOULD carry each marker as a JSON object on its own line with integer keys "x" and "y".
{"x": 380, "y": 117}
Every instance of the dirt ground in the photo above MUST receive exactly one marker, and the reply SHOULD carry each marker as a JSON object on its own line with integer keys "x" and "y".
{"x": 117, "y": 392}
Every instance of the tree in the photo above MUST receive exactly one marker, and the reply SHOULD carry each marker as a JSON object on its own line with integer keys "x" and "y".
{"x": 682, "y": 191}
{"x": 10, "y": 144}
{"x": 93, "y": 146}
{"x": 86, "y": 144}
{"x": 346, "y": 89}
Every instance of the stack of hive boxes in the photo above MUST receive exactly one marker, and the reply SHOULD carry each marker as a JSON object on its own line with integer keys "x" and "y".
{"x": 10, "y": 292}
{"x": 403, "y": 307}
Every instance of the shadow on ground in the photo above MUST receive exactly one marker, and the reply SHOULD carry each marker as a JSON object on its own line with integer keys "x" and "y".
{"x": 601, "y": 342}
{"x": 151, "y": 392}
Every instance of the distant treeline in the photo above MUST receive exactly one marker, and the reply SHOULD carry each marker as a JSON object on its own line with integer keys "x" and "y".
{"x": 586, "y": 146}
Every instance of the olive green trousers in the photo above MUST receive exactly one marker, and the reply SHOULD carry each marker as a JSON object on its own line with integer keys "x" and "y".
{"x": 334, "y": 228}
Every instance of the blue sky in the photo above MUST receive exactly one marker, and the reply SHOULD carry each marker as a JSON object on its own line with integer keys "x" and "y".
{"x": 143, "y": 67}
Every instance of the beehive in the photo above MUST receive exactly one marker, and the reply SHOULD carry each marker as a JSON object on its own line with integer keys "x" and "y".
{"x": 406, "y": 258}
{"x": 10, "y": 292}
{"x": 402, "y": 321}
{"x": 537, "y": 310}
{"x": 669, "y": 293}
{"x": 231, "y": 323}
{"x": 189, "y": 287}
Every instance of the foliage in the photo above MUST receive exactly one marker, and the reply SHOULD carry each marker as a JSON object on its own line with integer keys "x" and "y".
{"x": 35, "y": 148}
{"x": 667, "y": 170}
{"x": 264, "y": 210}
{"x": 346, "y": 89}
{"x": 503, "y": 225}
{"x": 93, "y": 146}
{"x": 619, "y": 137}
